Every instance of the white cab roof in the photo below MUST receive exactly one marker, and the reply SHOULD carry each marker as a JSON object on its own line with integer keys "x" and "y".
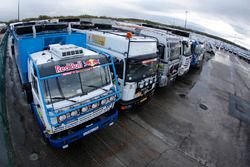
{"x": 45, "y": 56}
{"x": 118, "y": 42}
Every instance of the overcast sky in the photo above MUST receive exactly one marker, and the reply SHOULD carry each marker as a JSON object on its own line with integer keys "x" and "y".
{"x": 229, "y": 19}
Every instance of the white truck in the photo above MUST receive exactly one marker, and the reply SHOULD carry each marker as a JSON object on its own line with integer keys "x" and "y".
{"x": 169, "y": 49}
{"x": 186, "y": 56}
{"x": 136, "y": 63}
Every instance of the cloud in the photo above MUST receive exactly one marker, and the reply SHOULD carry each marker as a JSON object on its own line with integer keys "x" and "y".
{"x": 226, "y": 18}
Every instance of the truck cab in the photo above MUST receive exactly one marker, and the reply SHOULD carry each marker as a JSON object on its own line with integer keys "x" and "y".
{"x": 186, "y": 57}
{"x": 170, "y": 59}
{"x": 70, "y": 88}
{"x": 169, "y": 51}
{"x": 136, "y": 63}
{"x": 174, "y": 52}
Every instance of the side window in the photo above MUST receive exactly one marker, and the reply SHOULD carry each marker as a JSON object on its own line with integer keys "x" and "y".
{"x": 119, "y": 65}
{"x": 161, "y": 50}
{"x": 119, "y": 68}
{"x": 34, "y": 70}
{"x": 34, "y": 84}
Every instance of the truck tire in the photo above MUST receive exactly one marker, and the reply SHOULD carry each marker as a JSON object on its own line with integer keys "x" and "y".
{"x": 12, "y": 49}
{"x": 198, "y": 66}
{"x": 28, "y": 91}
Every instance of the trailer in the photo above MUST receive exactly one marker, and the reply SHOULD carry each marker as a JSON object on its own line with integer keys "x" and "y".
{"x": 70, "y": 89}
{"x": 136, "y": 62}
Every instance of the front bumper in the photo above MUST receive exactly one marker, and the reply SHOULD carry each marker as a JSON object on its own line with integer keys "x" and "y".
{"x": 64, "y": 138}
{"x": 183, "y": 70}
{"x": 127, "y": 105}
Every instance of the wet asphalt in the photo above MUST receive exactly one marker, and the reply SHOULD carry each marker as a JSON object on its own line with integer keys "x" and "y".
{"x": 5, "y": 145}
{"x": 187, "y": 124}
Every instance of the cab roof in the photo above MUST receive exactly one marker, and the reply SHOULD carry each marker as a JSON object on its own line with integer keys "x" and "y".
{"x": 123, "y": 34}
{"x": 46, "y": 56}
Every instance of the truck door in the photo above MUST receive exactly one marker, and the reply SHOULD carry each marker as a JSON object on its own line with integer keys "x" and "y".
{"x": 34, "y": 89}
{"x": 161, "y": 51}
{"x": 119, "y": 67}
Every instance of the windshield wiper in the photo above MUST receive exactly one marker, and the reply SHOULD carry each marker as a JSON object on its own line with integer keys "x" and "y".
{"x": 83, "y": 93}
{"x": 61, "y": 98}
{"x": 97, "y": 87}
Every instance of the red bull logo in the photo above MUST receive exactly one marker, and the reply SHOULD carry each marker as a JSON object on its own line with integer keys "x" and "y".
{"x": 92, "y": 62}
{"x": 68, "y": 67}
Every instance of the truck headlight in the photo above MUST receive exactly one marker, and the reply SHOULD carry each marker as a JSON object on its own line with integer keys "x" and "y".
{"x": 146, "y": 83}
{"x": 95, "y": 105}
{"x": 151, "y": 81}
{"x": 104, "y": 101}
{"x": 140, "y": 85}
{"x": 62, "y": 118}
{"x": 84, "y": 109}
{"x": 112, "y": 98}
{"x": 73, "y": 113}
{"x": 110, "y": 106}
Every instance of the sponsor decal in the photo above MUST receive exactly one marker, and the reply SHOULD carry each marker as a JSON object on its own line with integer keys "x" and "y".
{"x": 138, "y": 94}
{"x": 91, "y": 62}
{"x": 72, "y": 72}
{"x": 149, "y": 61}
{"x": 100, "y": 40}
{"x": 68, "y": 67}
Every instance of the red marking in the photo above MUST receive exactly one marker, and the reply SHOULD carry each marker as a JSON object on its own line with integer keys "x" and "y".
{"x": 149, "y": 61}
{"x": 68, "y": 67}
{"x": 91, "y": 62}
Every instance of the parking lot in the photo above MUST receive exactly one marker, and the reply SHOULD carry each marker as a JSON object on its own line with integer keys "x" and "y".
{"x": 187, "y": 124}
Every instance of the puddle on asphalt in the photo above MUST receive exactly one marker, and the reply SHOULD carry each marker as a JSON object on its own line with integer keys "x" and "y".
{"x": 239, "y": 108}
{"x": 222, "y": 58}
{"x": 182, "y": 95}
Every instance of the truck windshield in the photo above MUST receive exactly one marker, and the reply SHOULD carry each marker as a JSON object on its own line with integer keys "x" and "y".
{"x": 174, "y": 51}
{"x": 198, "y": 49}
{"x": 142, "y": 69}
{"x": 69, "y": 86}
{"x": 187, "y": 50}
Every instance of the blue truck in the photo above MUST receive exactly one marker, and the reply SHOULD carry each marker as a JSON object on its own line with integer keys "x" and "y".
{"x": 71, "y": 90}
{"x": 197, "y": 51}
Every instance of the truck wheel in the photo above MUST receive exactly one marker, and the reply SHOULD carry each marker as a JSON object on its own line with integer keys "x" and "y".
{"x": 198, "y": 66}
{"x": 12, "y": 49}
{"x": 45, "y": 139}
{"x": 29, "y": 96}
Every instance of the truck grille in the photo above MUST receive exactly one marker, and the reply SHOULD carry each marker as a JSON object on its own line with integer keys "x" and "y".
{"x": 174, "y": 69}
{"x": 83, "y": 119}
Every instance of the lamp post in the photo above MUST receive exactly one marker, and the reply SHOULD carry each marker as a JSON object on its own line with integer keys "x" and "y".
{"x": 186, "y": 12}
{"x": 18, "y": 10}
